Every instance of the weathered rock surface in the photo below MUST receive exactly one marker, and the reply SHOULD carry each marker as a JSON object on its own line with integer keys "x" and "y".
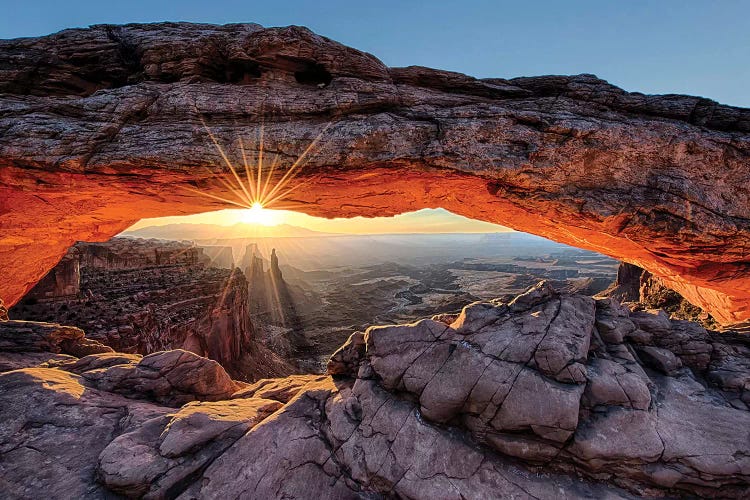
{"x": 102, "y": 126}
{"x": 173, "y": 447}
{"x": 535, "y": 379}
{"x": 27, "y": 337}
{"x": 172, "y": 378}
{"x": 644, "y": 290}
{"x": 54, "y": 428}
{"x": 534, "y": 400}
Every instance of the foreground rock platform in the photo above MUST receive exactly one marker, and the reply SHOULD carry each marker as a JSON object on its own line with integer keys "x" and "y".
{"x": 104, "y": 126}
{"x": 547, "y": 396}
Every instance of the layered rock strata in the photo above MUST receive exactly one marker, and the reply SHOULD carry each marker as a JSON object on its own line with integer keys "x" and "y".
{"x": 644, "y": 290}
{"x": 143, "y": 296}
{"x": 547, "y": 396}
{"x": 104, "y": 126}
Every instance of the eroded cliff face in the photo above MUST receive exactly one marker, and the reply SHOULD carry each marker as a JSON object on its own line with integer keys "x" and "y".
{"x": 103, "y": 126}
{"x": 548, "y": 395}
{"x": 141, "y": 296}
{"x": 643, "y": 290}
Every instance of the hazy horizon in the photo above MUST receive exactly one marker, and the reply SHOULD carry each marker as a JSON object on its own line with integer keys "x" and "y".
{"x": 425, "y": 221}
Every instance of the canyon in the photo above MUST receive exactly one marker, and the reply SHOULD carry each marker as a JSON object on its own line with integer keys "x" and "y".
{"x": 144, "y": 296}
{"x": 259, "y": 318}
{"x": 103, "y": 126}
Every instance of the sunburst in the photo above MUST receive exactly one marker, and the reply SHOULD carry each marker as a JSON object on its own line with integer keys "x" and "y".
{"x": 257, "y": 191}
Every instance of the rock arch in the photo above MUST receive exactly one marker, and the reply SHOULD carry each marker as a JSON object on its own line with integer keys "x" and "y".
{"x": 100, "y": 127}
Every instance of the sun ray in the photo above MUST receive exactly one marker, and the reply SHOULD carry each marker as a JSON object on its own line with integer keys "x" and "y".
{"x": 229, "y": 186}
{"x": 286, "y": 193}
{"x": 259, "y": 191}
{"x": 248, "y": 173}
{"x": 274, "y": 163}
{"x": 241, "y": 184}
{"x": 227, "y": 161}
{"x": 260, "y": 158}
{"x": 219, "y": 198}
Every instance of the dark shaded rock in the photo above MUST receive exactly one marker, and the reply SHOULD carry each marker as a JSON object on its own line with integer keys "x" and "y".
{"x": 30, "y": 336}
{"x": 17, "y": 360}
{"x": 346, "y": 360}
{"x": 626, "y": 287}
{"x": 659, "y": 359}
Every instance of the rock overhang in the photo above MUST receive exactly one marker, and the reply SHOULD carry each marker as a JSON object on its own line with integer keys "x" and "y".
{"x": 104, "y": 126}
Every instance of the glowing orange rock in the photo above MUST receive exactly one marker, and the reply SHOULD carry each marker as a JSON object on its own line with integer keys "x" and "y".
{"x": 91, "y": 144}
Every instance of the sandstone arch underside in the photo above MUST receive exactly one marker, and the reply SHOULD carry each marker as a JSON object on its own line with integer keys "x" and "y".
{"x": 100, "y": 127}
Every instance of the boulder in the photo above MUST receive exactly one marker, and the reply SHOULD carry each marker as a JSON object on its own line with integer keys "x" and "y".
{"x": 346, "y": 360}
{"x": 654, "y": 321}
{"x": 169, "y": 377}
{"x": 173, "y": 447}
{"x": 613, "y": 321}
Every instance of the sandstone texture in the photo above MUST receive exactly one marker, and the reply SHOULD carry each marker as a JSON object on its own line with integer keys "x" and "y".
{"x": 547, "y": 395}
{"x": 144, "y": 296}
{"x": 642, "y": 290}
{"x": 103, "y": 126}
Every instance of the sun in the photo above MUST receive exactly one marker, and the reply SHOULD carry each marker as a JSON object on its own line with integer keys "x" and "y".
{"x": 256, "y": 214}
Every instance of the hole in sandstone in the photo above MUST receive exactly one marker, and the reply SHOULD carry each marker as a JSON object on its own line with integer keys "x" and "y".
{"x": 233, "y": 71}
{"x": 313, "y": 74}
{"x": 273, "y": 292}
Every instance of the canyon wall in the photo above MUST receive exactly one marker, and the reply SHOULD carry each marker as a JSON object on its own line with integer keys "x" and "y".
{"x": 220, "y": 256}
{"x": 644, "y": 290}
{"x": 107, "y": 125}
{"x": 271, "y": 298}
{"x": 62, "y": 281}
{"x": 143, "y": 296}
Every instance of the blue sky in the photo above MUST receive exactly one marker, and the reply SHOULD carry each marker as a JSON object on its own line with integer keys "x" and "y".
{"x": 657, "y": 46}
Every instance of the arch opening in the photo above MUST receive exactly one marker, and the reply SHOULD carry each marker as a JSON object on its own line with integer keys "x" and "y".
{"x": 244, "y": 285}
{"x": 571, "y": 158}
{"x": 40, "y": 225}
